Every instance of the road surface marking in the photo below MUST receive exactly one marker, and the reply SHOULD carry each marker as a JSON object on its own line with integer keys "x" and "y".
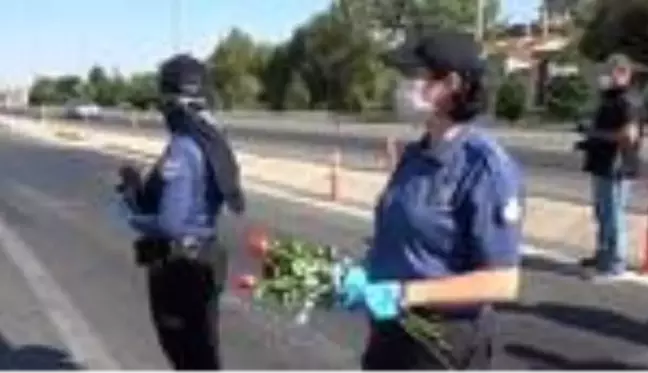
{"x": 281, "y": 327}
{"x": 73, "y": 329}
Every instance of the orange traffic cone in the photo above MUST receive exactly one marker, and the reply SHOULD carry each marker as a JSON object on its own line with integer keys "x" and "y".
{"x": 335, "y": 175}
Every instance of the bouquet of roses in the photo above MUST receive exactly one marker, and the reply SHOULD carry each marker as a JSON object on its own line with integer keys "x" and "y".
{"x": 301, "y": 276}
{"x": 296, "y": 276}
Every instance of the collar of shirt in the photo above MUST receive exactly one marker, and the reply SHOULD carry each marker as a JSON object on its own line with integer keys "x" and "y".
{"x": 442, "y": 151}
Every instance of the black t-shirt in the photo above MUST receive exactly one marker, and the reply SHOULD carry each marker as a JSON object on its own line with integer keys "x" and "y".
{"x": 605, "y": 158}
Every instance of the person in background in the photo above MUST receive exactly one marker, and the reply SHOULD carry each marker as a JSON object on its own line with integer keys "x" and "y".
{"x": 447, "y": 227}
{"x": 612, "y": 157}
{"x": 175, "y": 211}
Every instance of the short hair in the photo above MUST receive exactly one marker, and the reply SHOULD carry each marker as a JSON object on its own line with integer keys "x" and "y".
{"x": 471, "y": 100}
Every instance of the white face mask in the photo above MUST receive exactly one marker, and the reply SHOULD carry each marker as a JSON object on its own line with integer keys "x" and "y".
{"x": 409, "y": 102}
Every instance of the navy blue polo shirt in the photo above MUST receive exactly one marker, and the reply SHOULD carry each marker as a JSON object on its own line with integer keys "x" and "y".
{"x": 448, "y": 209}
{"x": 188, "y": 203}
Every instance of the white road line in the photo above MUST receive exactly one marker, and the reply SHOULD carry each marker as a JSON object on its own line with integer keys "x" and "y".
{"x": 73, "y": 329}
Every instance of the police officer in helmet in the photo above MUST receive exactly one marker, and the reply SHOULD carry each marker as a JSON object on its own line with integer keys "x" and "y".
{"x": 447, "y": 226}
{"x": 175, "y": 211}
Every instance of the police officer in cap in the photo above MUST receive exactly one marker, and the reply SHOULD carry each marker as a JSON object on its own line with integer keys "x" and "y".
{"x": 447, "y": 226}
{"x": 175, "y": 211}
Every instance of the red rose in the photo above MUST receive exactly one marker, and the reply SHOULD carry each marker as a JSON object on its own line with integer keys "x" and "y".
{"x": 258, "y": 242}
{"x": 246, "y": 282}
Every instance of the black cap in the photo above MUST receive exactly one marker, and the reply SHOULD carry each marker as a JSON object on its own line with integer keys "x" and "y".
{"x": 443, "y": 51}
{"x": 183, "y": 75}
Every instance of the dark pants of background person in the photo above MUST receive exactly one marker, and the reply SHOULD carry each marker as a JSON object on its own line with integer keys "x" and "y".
{"x": 183, "y": 296}
{"x": 611, "y": 196}
{"x": 469, "y": 345}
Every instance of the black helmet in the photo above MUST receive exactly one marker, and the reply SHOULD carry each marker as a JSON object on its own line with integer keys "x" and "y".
{"x": 183, "y": 75}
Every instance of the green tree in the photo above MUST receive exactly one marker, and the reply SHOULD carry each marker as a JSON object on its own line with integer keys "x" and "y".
{"x": 99, "y": 87}
{"x": 566, "y": 96}
{"x": 510, "y": 101}
{"x": 97, "y": 76}
{"x": 616, "y": 27}
{"x": 141, "y": 91}
{"x": 68, "y": 88}
{"x": 276, "y": 76}
{"x": 389, "y": 18}
{"x": 235, "y": 67}
{"x": 43, "y": 91}
{"x": 297, "y": 95}
{"x": 340, "y": 64}
{"x": 333, "y": 61}
{"x": 119, "y": 88}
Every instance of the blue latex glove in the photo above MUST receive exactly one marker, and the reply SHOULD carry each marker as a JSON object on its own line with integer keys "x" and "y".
{"x": 382, "y": 299}
{"x": 350, "y": 285}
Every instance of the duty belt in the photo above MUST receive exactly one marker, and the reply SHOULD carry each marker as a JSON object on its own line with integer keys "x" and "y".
{"x": 187, "y": 248}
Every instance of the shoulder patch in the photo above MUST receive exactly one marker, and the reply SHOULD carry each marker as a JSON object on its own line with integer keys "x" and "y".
{"x": 171, "y": 168}
{"x": 512, "y": 211}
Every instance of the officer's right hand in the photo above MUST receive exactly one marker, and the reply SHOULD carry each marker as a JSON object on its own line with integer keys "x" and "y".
{"x": 236, "y": 204}
{"x": 129, "y": 177}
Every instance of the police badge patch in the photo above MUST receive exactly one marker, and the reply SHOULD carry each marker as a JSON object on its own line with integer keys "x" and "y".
{"x": 512, "y": 211}
{"x": 171, "y": 168}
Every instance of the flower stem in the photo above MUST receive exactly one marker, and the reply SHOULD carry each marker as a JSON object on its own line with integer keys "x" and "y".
{"x": 416, "y": 329}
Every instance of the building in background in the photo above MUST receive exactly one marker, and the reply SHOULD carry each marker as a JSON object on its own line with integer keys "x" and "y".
{"x": 531, "y": 50}
{"x": 14, "y": 96}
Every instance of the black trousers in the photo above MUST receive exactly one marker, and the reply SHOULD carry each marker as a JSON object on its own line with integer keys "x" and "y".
{"x": 183, "y": 297}
{"x": 469, "y": 344}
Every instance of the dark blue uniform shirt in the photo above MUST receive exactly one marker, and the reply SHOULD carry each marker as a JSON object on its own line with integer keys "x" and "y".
{"x": 448, "y": 209}
{"x": 187, "y": 201}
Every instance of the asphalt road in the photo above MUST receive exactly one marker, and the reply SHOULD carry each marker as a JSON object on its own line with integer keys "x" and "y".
{"x": 53, "y": 199}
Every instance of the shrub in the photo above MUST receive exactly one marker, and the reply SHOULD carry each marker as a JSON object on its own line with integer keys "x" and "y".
{"x": 566, "y": 96}
{"x": 511, "y": 99}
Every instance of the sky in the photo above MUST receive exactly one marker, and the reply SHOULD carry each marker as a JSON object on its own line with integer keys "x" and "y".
{"x": 52, "y": 37}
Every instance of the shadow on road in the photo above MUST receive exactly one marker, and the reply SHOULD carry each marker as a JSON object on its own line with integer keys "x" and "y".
{"x": 539, "y": 359}
{"x": 536, "y": 263}
{"x": 600, "y": 321}
{"x": 34, "y": 357}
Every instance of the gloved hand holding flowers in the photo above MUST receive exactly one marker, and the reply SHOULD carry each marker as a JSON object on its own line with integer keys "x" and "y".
{"x": 300, "y": 276}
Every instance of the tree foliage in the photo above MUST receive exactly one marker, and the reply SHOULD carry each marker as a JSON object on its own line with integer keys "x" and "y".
{"x": 332, "y": 61}
{"x": 392, "y": 18}
{"x": 510, "y": 99}
{"x": 615, "y": 27}
{"x": 567, "y": 95}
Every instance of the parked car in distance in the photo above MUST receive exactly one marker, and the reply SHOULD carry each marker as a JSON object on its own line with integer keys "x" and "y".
{"x": 81, "y": 110}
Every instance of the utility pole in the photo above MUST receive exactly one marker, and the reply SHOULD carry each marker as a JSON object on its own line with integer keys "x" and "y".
{"x": 175, "y": 16}
{"x": 545, "y": 20}
{"x": 479, "y": 26}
